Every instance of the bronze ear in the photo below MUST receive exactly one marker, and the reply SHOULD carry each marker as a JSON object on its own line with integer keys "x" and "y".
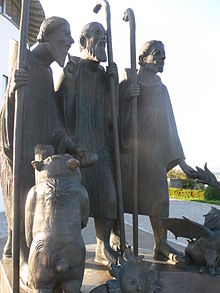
{"x": 82, "y": 42}
{"x": 141, "y": 60}
{"x": 72, "y": 164}
{"x": 37, "y": 165}
{"x": 45, "y": 37}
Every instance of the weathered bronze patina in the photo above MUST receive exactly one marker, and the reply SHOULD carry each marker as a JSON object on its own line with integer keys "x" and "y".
{"x": 56, "y": 210}
{"x": 207, "y": 177}
{"x": 41, "y": 123}
{"x": 159, "y": 147}
{"x": 131, "y": 275}
{"x": 204, "y": 245}
{"x": 84, "y": 92}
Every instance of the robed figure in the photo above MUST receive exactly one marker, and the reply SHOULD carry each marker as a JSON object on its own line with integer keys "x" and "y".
{"x": 41, "y": 123}
{"x": 159, "y": 146}
{"x": 85, "y": 94}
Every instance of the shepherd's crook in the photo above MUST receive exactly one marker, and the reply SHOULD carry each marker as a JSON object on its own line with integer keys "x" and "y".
{"x": 129, "y": 16}
{"x": 17, "y": 145}
{"x": 115, "y": 122}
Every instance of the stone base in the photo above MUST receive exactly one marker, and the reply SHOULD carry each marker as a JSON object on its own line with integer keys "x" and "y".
{"x": 184, "y": 282}
{"x": 6, "y": 276}
{"x": 183, "y": 278}
{"x": 5, "y": 272}
{"x": 173, "y": 278}
{"x": 95, "y": 274}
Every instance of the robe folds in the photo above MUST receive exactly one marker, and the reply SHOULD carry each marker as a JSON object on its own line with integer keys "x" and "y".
{"x": 86, "y": 112}
{"x": 40, "y": 125}
{"x": 159, "y": 147}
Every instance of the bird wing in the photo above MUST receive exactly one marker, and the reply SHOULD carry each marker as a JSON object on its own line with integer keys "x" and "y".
{"x": 186, "y": 228}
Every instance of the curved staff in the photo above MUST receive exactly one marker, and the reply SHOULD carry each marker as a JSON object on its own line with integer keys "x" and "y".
{"x": 17, "y": 141}
{"x": 115, "y": 123}
{"x": 129, "y": 16}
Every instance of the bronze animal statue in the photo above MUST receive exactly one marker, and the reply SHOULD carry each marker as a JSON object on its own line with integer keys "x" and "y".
{"x": 207, "y": 177}
{"x": 56, "y": 210}
{"x": 204, "y": 240}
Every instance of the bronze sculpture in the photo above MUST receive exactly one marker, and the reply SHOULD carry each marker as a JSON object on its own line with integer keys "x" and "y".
{"x": 131, "y": 275}
{"x": 115, "y": 130}
{"x": 40, "y": 122}
{"x": 80, "y": 114}
{"x": 207, "y": 177}
{"x": 204, "y": 240}
{"x": 56, "y": 210}
{"x": 159, "y": 147}
{"x": 84, "y": 91}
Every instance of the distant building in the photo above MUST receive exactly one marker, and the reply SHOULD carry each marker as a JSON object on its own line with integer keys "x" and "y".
{"x": 9, "y": 28}
{"x": 10, "y": 11}
{"x": 175, "y": 182}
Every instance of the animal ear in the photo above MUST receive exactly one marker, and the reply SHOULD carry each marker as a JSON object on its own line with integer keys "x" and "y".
{"x": 82, "y": 42}
{"x": 37, "y": 165}
{"x": 72, "y": 164}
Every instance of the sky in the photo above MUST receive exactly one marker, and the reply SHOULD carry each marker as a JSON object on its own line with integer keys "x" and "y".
{"x": 190, "y": 31}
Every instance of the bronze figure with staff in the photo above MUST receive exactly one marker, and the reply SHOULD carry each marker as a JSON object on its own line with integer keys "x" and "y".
{"x": 37, "y": 121}
{"x": 158, "y": 145}
{"x": 114, "y": 102}
{"x": 87, "y": 92}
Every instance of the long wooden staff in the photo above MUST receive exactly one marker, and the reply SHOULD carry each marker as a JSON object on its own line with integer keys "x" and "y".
{"x": 17, "y": 144}
{"x": 129, "y": 16}
{"x": 115, "y": 122}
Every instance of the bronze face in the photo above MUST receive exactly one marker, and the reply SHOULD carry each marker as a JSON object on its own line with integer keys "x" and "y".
{"x": 60, "y": 43}
{"x": 155, "y": 59}
{"x": 96, "y": 42}
{"x": 133, "y": 279}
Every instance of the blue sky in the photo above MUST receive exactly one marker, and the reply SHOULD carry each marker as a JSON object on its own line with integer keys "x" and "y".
{"x": 190, "y": 31}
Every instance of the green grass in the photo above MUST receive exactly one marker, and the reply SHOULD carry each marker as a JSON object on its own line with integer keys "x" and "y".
{"x": 217, "y": 202}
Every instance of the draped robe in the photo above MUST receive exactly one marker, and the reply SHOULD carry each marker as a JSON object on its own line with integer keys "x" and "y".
{"x": 40, "y": 125}
{"x": 159, "y": 147}
{"x": 86, "y": 112}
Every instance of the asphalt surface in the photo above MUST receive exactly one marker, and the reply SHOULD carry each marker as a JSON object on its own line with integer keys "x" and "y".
{"x": 192, "y": 210}
{"x": 178, "y": 208}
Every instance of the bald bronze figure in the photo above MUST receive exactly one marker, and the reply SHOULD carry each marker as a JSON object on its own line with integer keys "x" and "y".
{"x": 159, "y": 147}
{"x": 85, "y": 93}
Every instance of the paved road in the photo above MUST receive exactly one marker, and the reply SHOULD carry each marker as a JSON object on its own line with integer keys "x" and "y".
{"x": 178, "y": 208}
{"x": 3, "y": 225}
{"x": 193, "y": 210}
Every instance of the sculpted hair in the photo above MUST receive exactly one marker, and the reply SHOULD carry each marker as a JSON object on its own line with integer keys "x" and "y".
{"x": 50, "y": 25}
{"x": 147, "y": 48}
